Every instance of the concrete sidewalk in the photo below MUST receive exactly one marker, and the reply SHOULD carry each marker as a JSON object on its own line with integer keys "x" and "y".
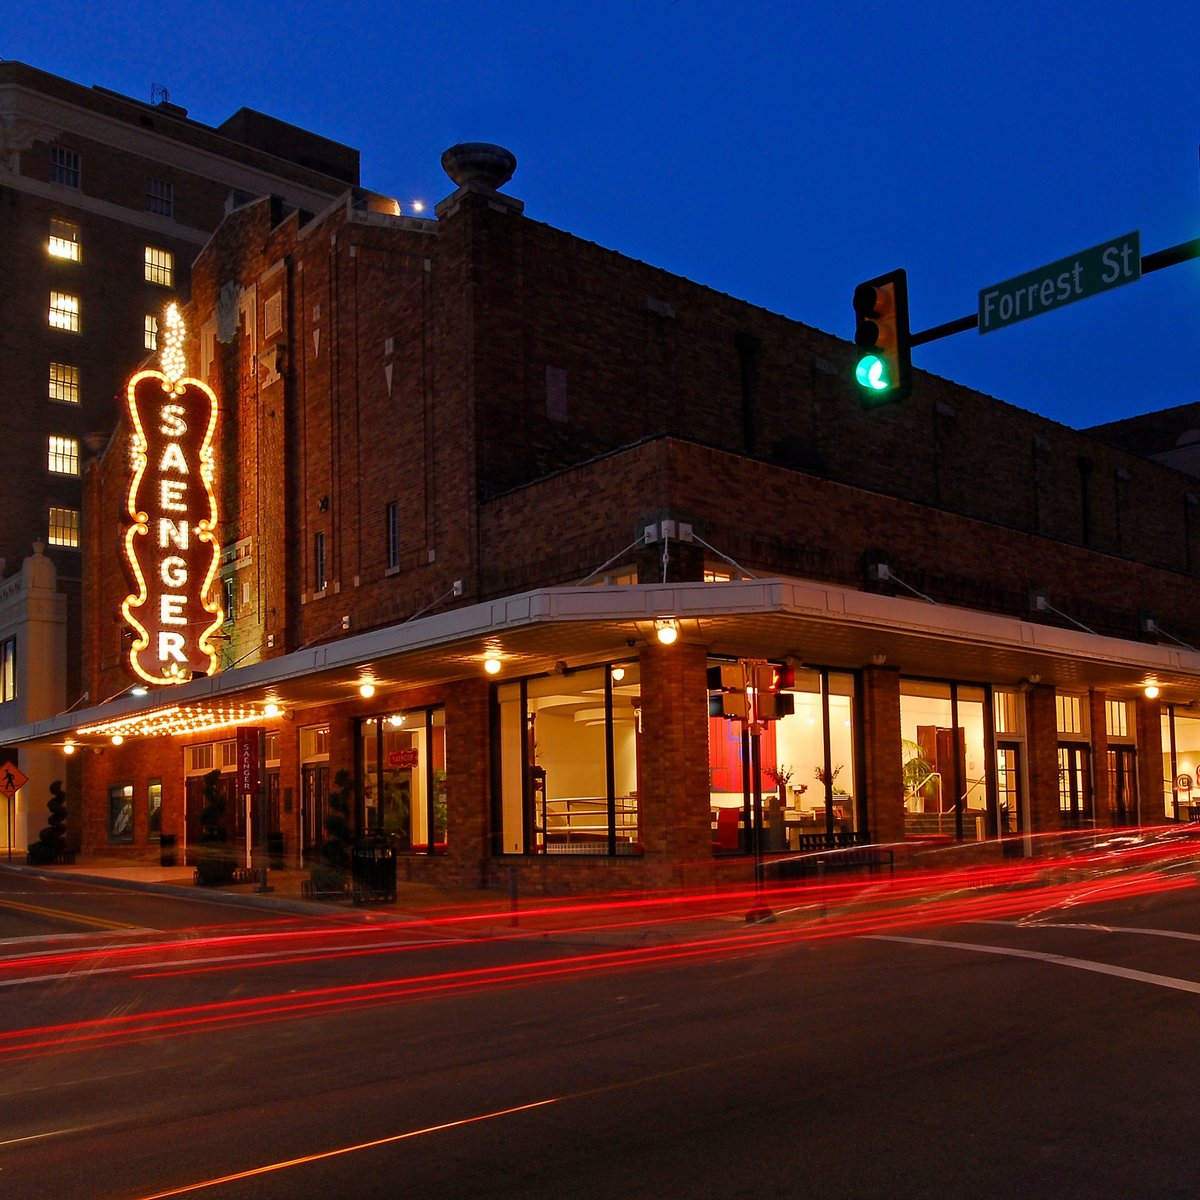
{"x": 459, "y": 912}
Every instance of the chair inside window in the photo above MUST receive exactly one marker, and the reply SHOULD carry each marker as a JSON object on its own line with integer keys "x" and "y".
{"x": 726, "y": 839}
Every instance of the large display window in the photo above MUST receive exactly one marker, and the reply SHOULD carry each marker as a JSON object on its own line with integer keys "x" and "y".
{"x": 569, "y": 752}
{"x": 806, "y": 767}
{"x": 403, "y": 756}
{"x": 944, "y": 730}
{"x": 1181, "y": 762}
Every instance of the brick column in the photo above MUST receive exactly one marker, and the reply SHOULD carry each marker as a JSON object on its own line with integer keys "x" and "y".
{"x": 883, "y": 765}
{"x": 674, "y": 754}
{"x": 1041, "y": 726}
{"x": 1101, "y": 784}
{"x": 468, "y": 778}
{"x": 1150, "y": 772}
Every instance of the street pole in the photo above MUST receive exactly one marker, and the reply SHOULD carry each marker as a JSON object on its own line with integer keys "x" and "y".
{"x": 761, "y": 912}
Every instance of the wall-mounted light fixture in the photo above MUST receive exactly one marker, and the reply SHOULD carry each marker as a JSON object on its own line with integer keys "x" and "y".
{"x": 666, "y": 629}
{"x": 1151, "y": 691}
{"x": 366, "y": 689}
{"x": 491, "y": 662}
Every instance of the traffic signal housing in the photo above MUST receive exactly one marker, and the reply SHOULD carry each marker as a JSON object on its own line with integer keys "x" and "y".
{"x": 883, "y": 369}
{"x": 771, "y": 702}
{"x": 727, "y": 692}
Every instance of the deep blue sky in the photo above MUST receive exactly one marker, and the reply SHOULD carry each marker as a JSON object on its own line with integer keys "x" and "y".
{"x": 781, "y": 152}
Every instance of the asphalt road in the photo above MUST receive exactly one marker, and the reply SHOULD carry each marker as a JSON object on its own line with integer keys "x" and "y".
{"x": 965, "y": 1044}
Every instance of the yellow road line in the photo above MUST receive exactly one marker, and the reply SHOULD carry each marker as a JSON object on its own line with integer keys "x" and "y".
{"x": 61, "y": 915}
{"x": 269, "y": 1168}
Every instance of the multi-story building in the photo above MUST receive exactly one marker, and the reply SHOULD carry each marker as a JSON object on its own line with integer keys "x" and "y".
{"x": 104, "y": 203}
{"x": 494, "y": 501}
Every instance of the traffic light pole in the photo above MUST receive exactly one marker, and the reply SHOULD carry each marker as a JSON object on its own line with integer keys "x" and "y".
{"x": 1170, "y": 257}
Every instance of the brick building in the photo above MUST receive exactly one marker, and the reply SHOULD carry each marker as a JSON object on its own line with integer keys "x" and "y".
{"x": 473, "y": 472}
{"x": 104, "y": 203}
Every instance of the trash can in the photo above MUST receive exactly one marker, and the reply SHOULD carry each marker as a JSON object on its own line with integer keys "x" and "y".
{"x": 166, "y": 850}
{"x": 373, "y": 869}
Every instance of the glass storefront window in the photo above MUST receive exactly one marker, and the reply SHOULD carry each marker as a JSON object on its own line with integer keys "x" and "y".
{"x": 569, "y": 762}
{"x": 1181, "y": 763}
{"x": 403, "y": 759}
{"x": 945, "y": 760}
{"x": 806, "y": 767}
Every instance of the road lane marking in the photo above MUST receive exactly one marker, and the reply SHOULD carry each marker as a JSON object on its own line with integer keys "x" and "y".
{"x": 1060, "y": 960}
{"x": 60, "y": 914}
{"x": 50, "y": 1133}
{"x": 269, "y": 1168}
{"x": 1094, "y": 927}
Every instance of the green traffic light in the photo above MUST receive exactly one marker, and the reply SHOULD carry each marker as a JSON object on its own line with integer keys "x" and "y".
{"x": 872, "y": 373}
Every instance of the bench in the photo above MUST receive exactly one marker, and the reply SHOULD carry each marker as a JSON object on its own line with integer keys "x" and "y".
{"x": 845, "y": 858}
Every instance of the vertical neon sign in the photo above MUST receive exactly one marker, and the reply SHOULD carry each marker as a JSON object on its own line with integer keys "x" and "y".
{"x": 171, "y": 542}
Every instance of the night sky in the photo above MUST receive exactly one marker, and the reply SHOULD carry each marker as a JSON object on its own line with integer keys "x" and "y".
{"x": 780, "y": 152}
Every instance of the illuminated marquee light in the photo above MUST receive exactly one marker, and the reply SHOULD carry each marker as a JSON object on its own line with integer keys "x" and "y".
{"x": 173, "y": 721}
{"x": 171, "y": 544}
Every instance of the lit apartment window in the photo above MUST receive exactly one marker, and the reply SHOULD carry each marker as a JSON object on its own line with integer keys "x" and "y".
{"x": 319, "y": 563}
{"x": 392, "y": 527}
{"x": 8, "y": 669}
{"x": 64, "y": 311}
{"x": 63, "y": 455}
{"x": 64, "y": 239}
{"x": 160, "y": 266}
{"x": 64, "y": 383}
{"x": 160, "y": 197}
{"x": 64, "y": 527}
{"x": 151, "y": 332}
{"x": 64, "y": 166}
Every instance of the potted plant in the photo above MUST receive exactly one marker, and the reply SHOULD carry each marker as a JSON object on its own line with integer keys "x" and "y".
{"x": 51, "y": 845}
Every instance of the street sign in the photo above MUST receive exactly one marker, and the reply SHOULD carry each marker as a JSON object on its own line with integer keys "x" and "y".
{"x": 1057, "y": 284}
{"x": 12, "y": 779}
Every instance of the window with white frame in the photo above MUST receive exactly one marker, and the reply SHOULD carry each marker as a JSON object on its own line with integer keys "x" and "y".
{"x": 64, "y": 239}
{"x": 64, "y": 383}
{"x": 63, "y": 455}
{"x": 160, "y": 197}
{"x": 151, "y": 338}
{"x": 64, "y": 166}
{"x": 64, "y": 527}
{"x": 64, "y": 311}
{"x": 160, "y": 266}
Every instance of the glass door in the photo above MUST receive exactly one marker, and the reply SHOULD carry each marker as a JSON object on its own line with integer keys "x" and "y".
{"x": 1074, "y": 784}
{"x": 1122, "y": 785}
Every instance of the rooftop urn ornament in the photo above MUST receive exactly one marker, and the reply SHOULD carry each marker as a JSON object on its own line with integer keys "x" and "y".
{"x": 479, "y": 162}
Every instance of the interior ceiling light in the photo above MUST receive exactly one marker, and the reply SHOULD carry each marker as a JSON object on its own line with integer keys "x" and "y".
{"x": 618, "y": 673}
{"x": 667, "y": 631}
